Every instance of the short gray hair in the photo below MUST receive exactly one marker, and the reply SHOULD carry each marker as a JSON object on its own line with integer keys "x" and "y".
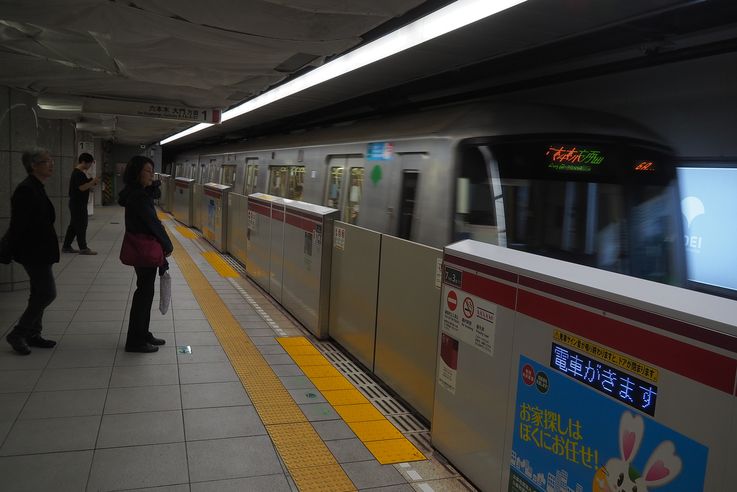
{"x": 34, "y": 156}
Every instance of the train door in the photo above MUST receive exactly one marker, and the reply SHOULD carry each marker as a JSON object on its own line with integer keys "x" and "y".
{"x": 251, "y": 175}
{"x": 345, "y": 182}
{"x": 295, "y": 190}
{"x": 479, "y": 209}
{"x": 409, "y": 181}
{"x": 334, "y": 190}
{"x": 351, "y": 210}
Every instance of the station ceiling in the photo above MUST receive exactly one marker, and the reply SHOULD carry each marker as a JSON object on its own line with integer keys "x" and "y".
{"x": 219, "y": 54}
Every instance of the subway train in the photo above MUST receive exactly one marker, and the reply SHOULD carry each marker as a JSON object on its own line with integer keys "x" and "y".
{"x": 577, "y": 185}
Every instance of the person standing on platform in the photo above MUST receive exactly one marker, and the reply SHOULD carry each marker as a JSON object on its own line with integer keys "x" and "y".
{"x": 141, "y": 218}
{"x": 79, "y": 193}
{"x": 34, "y": 244}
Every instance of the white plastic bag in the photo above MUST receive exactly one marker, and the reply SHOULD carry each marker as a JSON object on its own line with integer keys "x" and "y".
{"x": 164, "y": 292}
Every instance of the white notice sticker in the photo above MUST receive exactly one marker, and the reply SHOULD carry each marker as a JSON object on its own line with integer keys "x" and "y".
{"x": 252, "y": 220}
{"x": 439, "y": 273}
{"x": 469, "y": 318}
{"x": 339, "y": 238}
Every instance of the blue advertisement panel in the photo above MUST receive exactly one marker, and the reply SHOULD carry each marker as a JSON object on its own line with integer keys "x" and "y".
{"x": 709, "y": 208}
{"x": 570, "y": 438}
{"x": 379, "y": 151}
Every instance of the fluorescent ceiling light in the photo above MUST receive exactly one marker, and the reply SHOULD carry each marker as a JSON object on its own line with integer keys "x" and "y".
{"x": 188, "y": 131}
{"x": 454, "y": 16}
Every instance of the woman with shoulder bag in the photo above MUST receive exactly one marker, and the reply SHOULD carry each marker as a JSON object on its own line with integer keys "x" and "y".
{"x": 145, "y": 246}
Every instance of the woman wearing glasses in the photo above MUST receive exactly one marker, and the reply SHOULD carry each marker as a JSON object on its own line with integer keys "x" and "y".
{"x": 34, "y": 244}
{"x": 141, "y": 218}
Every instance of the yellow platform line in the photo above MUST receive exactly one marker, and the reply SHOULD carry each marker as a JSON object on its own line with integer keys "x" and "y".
{"x": 309, "y": 461}
{"x": 221, "y": 266}
{"x": 185, "y": 231}
{"x": 162, "y": 216}
{"x": 377, "y": 433}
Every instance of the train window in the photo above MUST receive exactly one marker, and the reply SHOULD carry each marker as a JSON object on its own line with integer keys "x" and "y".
{"x": 335, "y": 185}
{"x": 355, "y": 187}
{"x": 178, "y": 171}
{"x": 410, "y": 181}
{"x": 228, "y": 175}
{"x": 475, "y": 215}
{"x": 251, "y": 176}
{"x": 296, "y": 182}
{"x": 278, "y": 179}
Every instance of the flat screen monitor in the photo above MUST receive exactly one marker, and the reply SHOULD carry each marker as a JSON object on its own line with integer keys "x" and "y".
{"x": 709, "y": 210}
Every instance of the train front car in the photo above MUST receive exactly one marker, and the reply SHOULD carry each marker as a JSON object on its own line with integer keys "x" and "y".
{"x": 606, "y": 202}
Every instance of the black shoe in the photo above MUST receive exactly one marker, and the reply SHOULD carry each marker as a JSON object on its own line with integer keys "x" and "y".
{"x": 69, "y": 250}
{"x": 146, "y": 348}
{"x": 18, "y": 343}
{"x": 155, "y": 341}
{"x": 38, "y": 341}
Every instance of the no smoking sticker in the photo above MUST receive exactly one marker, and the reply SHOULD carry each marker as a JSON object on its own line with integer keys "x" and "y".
{"x": 468, "y": 307}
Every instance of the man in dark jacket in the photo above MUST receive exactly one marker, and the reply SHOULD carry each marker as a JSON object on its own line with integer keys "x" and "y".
{"x": 34, "y": 244}
{"x": 79, "y": 194}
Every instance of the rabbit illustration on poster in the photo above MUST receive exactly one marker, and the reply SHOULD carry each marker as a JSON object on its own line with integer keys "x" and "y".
{"x": 619, "y": 475}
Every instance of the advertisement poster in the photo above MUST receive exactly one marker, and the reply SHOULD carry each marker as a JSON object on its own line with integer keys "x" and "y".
{"x": 570, "y": 438}
{"x": 210, "y": 226}
{"x": 448, "y": 370}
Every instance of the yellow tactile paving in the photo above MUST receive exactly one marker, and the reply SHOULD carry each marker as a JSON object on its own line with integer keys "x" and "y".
{"x": 334, "y": 383}
{"x": 322, "y": 372}
{"x": 379, "y": 435}
{"x": 344, "y": 397}
{"x": 394, "y": 451}
{"x": 301, "y": 350}
{"x": 375, "y": 430}
{"x": 310, "y": 360}
{"x": 293, "y": 440}
{"x": 359, "y": 413}
{"x": 162, "y": 216}
{"x": 308, "y": 460}
{"x": 329, "y": 477}
{"x": 186, "y": 232}
{"x": 220, "y": 265}
{"x": 289, "y": 342}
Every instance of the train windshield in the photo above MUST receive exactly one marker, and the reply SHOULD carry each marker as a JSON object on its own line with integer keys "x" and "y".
{"x": 609, "y": 204}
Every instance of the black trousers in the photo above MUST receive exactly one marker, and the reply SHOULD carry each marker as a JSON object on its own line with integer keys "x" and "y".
{"x": 77, "y": 226}
{"x": 43, "y": 293}
{"x": 140, "y": 315}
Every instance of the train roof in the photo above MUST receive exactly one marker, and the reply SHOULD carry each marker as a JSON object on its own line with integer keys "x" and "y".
{"x": 473, "y": 119}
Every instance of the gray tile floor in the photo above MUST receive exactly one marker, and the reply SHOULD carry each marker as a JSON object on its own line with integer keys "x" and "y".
{"x": 88, "y": 416}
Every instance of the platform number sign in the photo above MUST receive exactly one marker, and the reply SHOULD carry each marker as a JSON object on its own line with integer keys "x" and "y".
{"x": 453, "y": 277}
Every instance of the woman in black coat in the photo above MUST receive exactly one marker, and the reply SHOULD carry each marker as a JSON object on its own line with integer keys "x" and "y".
{"x": 141, "y": 218}
{"x": 33, "y": 243}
